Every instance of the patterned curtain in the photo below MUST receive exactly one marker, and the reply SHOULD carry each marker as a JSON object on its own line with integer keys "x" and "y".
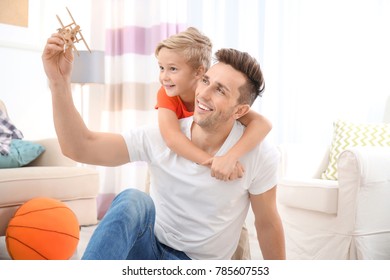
{"x": 132, "y": 30}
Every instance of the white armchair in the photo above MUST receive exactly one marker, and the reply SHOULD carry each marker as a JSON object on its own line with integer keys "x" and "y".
{"x": 344, "y": 219}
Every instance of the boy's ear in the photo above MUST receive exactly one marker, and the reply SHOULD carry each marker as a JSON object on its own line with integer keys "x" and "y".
{"x": 241, "y": 110}
{"x": 200, "y": 71}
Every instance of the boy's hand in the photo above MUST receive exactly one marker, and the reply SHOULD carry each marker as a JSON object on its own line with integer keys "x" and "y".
{"x": 56, "y": 62}
{"x": 225, "y": 168}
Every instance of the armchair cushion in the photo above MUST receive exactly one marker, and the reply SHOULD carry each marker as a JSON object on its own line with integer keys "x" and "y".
{"x": 53, "y": 155}
{"x": 348, "y": 134}
{"x": 309, "y": 194}
{"x": 21, "y": 153}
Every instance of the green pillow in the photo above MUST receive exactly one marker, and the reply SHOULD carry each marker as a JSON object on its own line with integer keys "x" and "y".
{"x": 348, "y": 134}
{"x": 21, "y": 153}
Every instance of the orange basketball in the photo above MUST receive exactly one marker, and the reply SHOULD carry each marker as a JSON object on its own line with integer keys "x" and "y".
{"x": 42, "y": 229}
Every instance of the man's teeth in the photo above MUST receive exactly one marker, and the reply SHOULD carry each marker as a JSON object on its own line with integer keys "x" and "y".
{"x": 203, "y": 107}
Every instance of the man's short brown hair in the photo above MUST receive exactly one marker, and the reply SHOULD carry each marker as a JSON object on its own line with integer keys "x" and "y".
{"x": 247, "y": 65}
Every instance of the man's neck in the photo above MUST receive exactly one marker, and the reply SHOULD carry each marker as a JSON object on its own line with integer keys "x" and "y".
{"x": 210, "y": 140}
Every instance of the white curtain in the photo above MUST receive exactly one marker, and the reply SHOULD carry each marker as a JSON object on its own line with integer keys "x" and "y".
{"x": 322, "y": 60}
{"x": 325, "y": 60}
{"x": 132, "y": 30}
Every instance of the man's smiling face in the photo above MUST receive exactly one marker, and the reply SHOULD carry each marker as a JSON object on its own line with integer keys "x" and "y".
{"x": 216, "y": 96}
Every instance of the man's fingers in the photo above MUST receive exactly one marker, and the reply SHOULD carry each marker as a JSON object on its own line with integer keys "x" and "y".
{"x": 50, "y": 51}
{"x": 55, "y": 40}
{"x": 68, "y": 55}
{"x": 208, "y": 162}
{"x": 54, "y": 47}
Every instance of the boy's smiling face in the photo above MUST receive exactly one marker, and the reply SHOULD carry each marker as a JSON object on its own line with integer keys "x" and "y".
{"x": 176, "y": 75}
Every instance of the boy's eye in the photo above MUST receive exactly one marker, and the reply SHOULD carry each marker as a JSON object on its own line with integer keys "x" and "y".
{"x": 173, "y": 69}
{"x": 205, "y": 81}
{"x": 161, "y": 68}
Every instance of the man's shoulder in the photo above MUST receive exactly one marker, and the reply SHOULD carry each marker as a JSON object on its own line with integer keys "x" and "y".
{"x": 266, "y": 154}
{"x": 265, "y": 148}
{"x": 144, "y": 142}
{"x": 148, "y": 131}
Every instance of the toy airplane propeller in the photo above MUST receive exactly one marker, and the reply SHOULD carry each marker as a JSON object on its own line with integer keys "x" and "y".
{"x": 71, "y": 34}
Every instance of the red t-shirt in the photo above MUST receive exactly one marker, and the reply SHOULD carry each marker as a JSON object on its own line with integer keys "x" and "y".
{"x": 172, "y": 103}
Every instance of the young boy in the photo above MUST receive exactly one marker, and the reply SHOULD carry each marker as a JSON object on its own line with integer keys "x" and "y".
{"x": 183, "y": 59}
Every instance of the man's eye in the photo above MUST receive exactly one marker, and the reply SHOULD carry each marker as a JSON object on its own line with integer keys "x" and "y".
{"x": 220, "y": 90}
{"x": 205, "y": 81}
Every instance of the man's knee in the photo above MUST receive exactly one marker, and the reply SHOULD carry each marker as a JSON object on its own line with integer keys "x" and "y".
{"x": 134, "y": 199}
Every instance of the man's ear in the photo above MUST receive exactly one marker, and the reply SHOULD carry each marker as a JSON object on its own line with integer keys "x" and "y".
{"x": 241, "y": 110}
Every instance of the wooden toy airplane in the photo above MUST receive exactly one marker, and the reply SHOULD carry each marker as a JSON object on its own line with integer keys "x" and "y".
{"x": 71, "y": 34}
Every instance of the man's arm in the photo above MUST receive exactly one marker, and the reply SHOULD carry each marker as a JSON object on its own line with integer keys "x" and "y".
{"x": 268, "y": 225}
{"x": 76, "y": 140}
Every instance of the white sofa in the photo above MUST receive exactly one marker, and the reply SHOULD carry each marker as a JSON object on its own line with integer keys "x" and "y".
{"x": 344, "y": 219}
{"x": 50, "y": 175}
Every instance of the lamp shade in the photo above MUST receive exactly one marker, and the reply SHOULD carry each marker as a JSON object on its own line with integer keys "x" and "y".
{"x": 88, "y": 67}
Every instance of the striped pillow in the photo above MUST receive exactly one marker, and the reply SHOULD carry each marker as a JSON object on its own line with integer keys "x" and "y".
{"x": 347, "y": 134}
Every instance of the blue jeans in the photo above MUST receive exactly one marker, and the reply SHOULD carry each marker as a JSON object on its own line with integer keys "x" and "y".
{"x": 126, "y": 232}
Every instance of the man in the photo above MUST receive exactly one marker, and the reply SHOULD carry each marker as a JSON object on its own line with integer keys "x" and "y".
{"x": 189, "y": 214}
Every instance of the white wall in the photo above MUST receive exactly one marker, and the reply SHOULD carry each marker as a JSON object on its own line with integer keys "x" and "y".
{"x": 23, "y": 82}
{"x": 25, "y": 93}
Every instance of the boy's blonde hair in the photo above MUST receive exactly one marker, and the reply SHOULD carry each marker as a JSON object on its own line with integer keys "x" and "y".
{"x": 195, "y": 47}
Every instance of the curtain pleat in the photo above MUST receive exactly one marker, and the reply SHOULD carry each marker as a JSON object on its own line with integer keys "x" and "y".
{"x": 132, "y": 31}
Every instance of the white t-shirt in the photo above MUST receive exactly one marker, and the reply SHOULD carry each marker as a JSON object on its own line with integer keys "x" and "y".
{"x": 196, "y": 213}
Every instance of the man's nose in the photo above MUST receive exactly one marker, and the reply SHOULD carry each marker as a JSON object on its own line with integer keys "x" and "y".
{"x": 204, "y": 91}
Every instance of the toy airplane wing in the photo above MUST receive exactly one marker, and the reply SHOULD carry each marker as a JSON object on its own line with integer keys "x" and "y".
{"x": 71, "y": 33}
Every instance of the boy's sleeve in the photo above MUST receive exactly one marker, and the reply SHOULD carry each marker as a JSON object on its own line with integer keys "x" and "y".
{"x": 164, "y": 101}
{"x": 172, "y": 103}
